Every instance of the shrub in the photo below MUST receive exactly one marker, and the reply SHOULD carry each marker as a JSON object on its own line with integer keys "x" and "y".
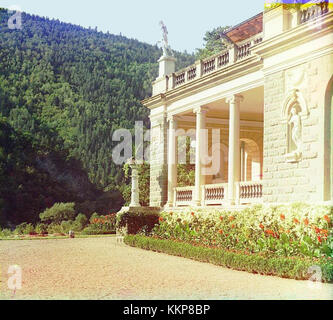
{"x": 294, "y": 230}
{"x": 137, "y": 221}
{"x": 58, "y": 213}
{"x": 41, "y": 228}
{"x": 24, "y": 229}
{"x": 66, "y": 226}
{"x": 54, "y": 228}
{"x": 5, "y": 233}
{"x": 286, "y": 267}
{"x": 81, "y": 222}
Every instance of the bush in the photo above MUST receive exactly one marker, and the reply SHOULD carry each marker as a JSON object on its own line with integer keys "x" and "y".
{"x": 41, "y": 228}
{"x": 66, "y": 226}
{"x": 294, "y": 230}
{"x": 54, "y": 228}
{"x": 286, "y": 267}
{"x": 5, "y": 233}
{"x": 24, "y": 229}
{"x": 58, "y": 213}
{"x": 137, "y": 221}
{"x": 81, "y": 222}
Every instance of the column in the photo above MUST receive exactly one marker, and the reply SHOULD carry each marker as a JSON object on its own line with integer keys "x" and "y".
{"x": 135, "y": 195}
{"x": 172, "y": 161}
{"x": 234, "y": 145}
{"x": 243, "y": 163}
{"x": 199, "y": 152}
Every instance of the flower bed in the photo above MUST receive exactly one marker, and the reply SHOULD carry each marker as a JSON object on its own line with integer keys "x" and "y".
{"x": 286, "y": 267}
{"x": 100, "y": 225}
{"x": 289, "y": 230}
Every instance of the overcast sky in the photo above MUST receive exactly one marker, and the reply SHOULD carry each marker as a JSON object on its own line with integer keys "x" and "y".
{"x": 187, "y": 20}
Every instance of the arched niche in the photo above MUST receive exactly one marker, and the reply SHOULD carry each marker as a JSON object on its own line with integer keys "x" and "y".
{"x": 294, "y": 112}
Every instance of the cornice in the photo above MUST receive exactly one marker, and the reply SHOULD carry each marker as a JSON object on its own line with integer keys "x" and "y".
{"x": 295, "y": 36}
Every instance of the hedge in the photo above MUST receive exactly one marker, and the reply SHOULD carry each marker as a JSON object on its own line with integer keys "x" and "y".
{"x": 137, "y": 220}
{"x": 285, "y": 267}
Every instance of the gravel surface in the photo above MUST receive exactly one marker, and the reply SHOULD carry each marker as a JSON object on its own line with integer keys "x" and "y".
{"x": 99, "y": 268}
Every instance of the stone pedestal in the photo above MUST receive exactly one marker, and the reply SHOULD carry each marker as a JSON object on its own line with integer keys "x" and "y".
{"x": 167, "y": 66}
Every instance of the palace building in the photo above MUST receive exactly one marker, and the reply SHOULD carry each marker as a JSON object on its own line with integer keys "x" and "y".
{"x": 258, "y": 115}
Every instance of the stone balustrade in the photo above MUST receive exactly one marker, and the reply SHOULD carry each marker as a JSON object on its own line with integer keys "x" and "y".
{"x": 314, "y": 11}
{"x": 250, "y": 192}
{"x": 211, "y": 64}
{"x": 183, "y": 196}
{"x": 217, "y": 194}
{"x": 214, "y": 194}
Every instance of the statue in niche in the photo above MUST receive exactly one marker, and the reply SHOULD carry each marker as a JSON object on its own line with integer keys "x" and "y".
{"x": 295, "y": 120}
{"x": 165, "y": 42}
{"x": 295, "y": 133}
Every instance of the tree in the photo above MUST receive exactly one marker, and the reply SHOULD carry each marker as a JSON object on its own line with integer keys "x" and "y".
{"x": 213, "y": 43}
{"x": 58, "y": 213}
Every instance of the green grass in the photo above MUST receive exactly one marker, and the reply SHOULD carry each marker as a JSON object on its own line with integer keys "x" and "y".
{"x": 284, "y": 267}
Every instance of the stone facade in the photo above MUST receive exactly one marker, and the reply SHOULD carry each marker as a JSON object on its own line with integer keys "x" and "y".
{"x": 270, "y": 95}
{"x": 304, "y": 179}
{"x": 158, "y": 163}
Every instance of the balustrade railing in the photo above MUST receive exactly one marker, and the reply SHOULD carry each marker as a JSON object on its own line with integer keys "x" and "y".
{"x": 223, "y": 59}
{"x": 248, "y": 192}
{"x": 180, "y": 79}
{"x": 313, "y": 11}
{"x": 183, "y": 196}
{"x": 192, "y": 73}
{"x": 214, "y": 63}
{"x": 217, "y": 194}
{"x": 209, "y": 65}
{"x": 243, "y": 51}
{"x": 214, "y": 194}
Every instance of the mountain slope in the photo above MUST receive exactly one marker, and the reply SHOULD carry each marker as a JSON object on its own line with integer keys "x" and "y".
{"x": 71, "y": 87}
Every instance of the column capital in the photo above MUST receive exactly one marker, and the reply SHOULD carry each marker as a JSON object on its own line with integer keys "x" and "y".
{"x": 172, "y": 117}
{"x": 200, "y": 109}
{"x": 235, "y": 98}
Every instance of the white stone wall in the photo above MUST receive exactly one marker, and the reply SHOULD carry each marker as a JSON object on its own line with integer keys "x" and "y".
{"x": 303, "y": 180}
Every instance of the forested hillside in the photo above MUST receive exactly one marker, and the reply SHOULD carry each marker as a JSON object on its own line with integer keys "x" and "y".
{"x": 69, "y": 88}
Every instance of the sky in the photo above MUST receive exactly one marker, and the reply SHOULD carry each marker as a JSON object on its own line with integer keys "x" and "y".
{"x": 186, "y": 20}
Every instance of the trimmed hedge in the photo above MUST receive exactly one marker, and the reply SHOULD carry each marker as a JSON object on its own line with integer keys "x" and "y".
{"x": 285, "y": 267}
{"x": 137, "y": 221}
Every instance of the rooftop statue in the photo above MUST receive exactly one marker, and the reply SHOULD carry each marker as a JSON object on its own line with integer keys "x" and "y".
{"x": 165, "y": 42}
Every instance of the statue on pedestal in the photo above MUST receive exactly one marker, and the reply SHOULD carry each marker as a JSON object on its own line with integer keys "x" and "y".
{"x": 165, "y": 42}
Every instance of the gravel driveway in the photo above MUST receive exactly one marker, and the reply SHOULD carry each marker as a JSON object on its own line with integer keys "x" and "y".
{"x": 99, "y": 268}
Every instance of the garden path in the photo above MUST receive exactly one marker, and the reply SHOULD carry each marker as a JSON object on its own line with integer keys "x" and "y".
{"x": 99, "y": 268}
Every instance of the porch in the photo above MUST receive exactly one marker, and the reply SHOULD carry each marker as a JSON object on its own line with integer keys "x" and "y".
{"x": 223, "y": 141}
